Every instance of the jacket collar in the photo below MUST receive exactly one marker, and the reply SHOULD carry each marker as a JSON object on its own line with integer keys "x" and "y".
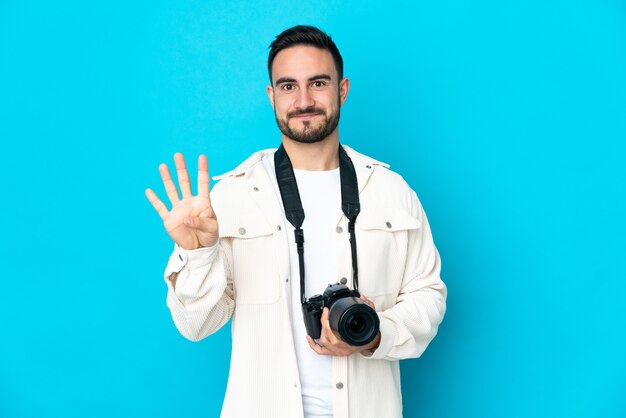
{"x": 245, "y": 166}
{"x": 363, "y": 165}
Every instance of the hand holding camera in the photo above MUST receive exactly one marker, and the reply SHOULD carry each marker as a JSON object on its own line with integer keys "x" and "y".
{"x": 331, "y": 344}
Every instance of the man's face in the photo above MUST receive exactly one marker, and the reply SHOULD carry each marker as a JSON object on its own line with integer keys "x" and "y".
{"x": 306, "y": 94}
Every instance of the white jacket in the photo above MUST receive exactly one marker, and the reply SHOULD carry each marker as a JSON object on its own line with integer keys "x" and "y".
{"x": 246, "y": 277}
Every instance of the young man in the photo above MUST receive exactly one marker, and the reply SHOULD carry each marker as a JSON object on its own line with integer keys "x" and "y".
{"x": 235, "y": 255}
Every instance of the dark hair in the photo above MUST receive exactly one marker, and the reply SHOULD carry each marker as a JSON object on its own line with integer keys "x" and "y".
{"x": 304, "y": 35}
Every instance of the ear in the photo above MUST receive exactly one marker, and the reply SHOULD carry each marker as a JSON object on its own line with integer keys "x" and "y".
{"x": 270, "y": 94}
{"x": 344, "y": 87}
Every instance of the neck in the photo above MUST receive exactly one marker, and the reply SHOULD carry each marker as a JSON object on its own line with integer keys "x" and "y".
{"x": 319, "y": 156}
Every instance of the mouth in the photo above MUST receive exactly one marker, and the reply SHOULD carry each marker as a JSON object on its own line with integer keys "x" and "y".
{"x": 306, "y": 116}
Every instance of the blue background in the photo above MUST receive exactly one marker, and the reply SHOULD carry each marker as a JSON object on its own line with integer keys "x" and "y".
{"x": 507, "y": 117}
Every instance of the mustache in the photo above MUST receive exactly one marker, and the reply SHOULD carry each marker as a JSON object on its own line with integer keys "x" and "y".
{"x": 307, "y": 111}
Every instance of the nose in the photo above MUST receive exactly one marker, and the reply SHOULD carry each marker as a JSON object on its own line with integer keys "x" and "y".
{"x": 304, "y": 99}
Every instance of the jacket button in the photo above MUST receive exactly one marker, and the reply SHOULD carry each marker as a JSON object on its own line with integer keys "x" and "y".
{"x": 256, "y": 189}
{"x": 343, "y": 280}
{"x": 339, "y": 385}
{"x": 368, "y": 166}
{"x": 242, "y": 231}
{"x": 339, "y": 230}
{"x": 280, "y": 228}
{"x": 388, "y": 224}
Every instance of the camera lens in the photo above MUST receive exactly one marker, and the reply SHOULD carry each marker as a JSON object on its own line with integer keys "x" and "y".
{"x": 356, "y": 324}
{"x": 355, "y": 321}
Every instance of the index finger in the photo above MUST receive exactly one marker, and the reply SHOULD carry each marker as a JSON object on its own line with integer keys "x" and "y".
{"x": 369, "y": 302}
{"x": 203, "y": 176}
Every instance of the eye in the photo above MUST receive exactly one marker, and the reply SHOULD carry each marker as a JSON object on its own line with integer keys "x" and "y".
{"x": 318, "y": 83}
{"x": 287, "y": 87}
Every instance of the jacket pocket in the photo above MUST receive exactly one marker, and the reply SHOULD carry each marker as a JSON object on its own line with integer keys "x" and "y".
{"x": 382, "y": 250}
{"x": 248, "y": 240}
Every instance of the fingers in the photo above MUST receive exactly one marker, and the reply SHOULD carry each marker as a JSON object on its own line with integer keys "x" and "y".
{"x": 329, "y": 343}
{"x": 318, "y": 348}
{"x": 157, "y": 204}
{"x": 369, "y": 302}
{"x": 183, "y": 179}
{"x": 170, "y": 188}
{"x": 203, "y": 176}
{"x": 183, "y": 176}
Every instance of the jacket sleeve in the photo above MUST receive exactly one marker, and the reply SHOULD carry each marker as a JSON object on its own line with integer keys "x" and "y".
{"x": 407, "y": 328}
{"x": 202, "y": 300}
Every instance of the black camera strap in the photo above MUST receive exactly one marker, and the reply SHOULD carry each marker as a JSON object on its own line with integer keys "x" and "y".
{"x": 294, "y": 212}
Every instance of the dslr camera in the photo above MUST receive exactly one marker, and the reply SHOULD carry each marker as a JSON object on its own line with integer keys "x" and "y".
{"x": 354, "y": 320}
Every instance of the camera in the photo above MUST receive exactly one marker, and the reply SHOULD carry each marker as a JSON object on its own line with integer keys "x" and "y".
{"x": 355, "y": 321}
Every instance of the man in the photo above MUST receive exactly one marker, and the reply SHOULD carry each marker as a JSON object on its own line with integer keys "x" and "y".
{"x": 235, "y": 256}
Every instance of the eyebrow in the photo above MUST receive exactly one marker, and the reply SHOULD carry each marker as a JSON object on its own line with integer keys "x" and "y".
{"x": 292, "y": 80}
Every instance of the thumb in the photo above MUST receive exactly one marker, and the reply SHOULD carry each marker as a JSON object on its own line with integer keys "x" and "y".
{"x": 197, "y": 222}
{"x": 207, "y": 213}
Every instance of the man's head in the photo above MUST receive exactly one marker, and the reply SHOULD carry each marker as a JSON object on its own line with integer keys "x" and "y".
{"x": 307, "y": 85}
{"x": 305, "y": 35}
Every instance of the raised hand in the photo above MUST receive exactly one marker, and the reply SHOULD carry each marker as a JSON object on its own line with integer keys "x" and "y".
{"x": 191, "y": 222}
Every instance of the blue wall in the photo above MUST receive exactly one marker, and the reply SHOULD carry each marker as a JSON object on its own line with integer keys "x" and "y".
{"x": 507, "y": 118}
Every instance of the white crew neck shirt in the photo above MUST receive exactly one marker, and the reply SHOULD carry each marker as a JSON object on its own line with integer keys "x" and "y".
{"x": 320, "y": 193}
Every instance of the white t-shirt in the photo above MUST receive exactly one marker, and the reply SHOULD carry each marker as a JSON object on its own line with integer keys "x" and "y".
{"x": 320, "y": 193}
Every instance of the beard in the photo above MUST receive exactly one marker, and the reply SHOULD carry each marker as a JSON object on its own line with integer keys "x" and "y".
{"x": 309, "y": 134}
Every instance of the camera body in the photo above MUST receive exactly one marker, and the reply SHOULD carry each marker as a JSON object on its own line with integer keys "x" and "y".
{"x": 353, "y": 319}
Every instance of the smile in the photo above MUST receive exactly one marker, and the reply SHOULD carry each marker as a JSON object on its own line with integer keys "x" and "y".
{"x": 306, "y": 116}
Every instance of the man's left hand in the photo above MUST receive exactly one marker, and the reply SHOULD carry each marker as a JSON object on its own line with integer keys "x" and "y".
{"x": 331, "y": 344}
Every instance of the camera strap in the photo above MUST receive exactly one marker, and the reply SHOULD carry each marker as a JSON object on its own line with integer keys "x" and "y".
{"x": 294, "y": 212}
